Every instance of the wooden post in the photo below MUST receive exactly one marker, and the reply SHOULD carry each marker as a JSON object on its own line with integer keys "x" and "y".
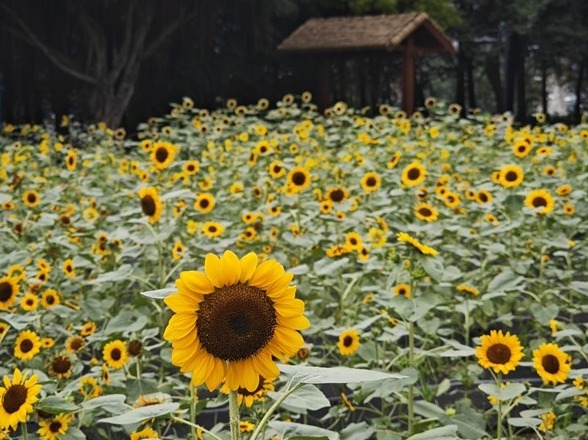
{"x": 408, "y": 77}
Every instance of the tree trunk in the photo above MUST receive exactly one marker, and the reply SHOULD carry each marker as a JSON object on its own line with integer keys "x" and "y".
{"x": 544, "y": 89}
{"x": 460, "y": 80}
{"x": 577, "y": 105}
{"x": 511, "y": 65}
{"x": 492, "y": 68}
{"x": 472, "y": 101}
{"x": 521, "y": 83}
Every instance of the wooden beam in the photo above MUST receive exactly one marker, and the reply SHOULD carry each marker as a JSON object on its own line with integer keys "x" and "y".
{"x": 408, "y": 77}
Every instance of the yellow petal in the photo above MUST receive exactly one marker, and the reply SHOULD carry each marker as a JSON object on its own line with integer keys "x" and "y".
{"x": 216, "y": 375}
{"x": 232, "y": 268}
{"x": 179, "y": 326}
{"x": 214, "y": 270}
{"x": 289, "y": 308}
{"x": 180, "y": 303}
{"x": 182, "y": 356}
{"x": 266, "y": 367}
{"x": 281, "y": 283}
{"x": 248, "y": 265}
{"x": 186, "y": 341}
{"x": 296, "y": 322}
{"x": 196, "y": 281}
{"x": 203, "y": 369}
{"x": 265, "y": 274}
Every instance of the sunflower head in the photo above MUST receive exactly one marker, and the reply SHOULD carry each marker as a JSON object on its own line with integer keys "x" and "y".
{"x": 540, "y": 200}
{"x": 232, "y": 319}
{"x": 9, "y": 288}
{"x": 499, "y": 352}
{"x": 17, "y": 397}
{"x": 551, "y": 363}
{"x": 348, "y": 342}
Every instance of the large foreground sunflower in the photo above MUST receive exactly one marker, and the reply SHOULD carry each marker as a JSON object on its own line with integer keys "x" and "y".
{"x": 500, "y": 352}
{"x": 551, "y": 363}
{"x": 16, "y": 398}
{"x": 232, "y": 319}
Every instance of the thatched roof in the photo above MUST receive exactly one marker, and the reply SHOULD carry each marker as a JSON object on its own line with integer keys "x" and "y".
{"x": 374, "y": 33}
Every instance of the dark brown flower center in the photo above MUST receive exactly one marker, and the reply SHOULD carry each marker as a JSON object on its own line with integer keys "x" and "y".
{"x": 61, "y": 365}
{"x": 371, "y": 181}
{"x": 347, "y": 341}
{"x": 425, "y": 212}
{"x": 235, "y": 322}
{"x": 71, "y": 161}
{"x": 498, "y": 354}
{"x": 76, "y": 344}
{"x": 26, "y": 345}
{"x": 14, "y": 398}
{"x": 337, "y": 195}
{"x": 50, "y": 299}
{"x": 204, "y": 203}
{"x": 212, "y": 229}
{"x": 522, "y": 148}
{"x": 32, "y": 198}
{"x": 55, "y": 426}
{"x": 5, "y": 291}
{"x": 148, "y": 205}
{"x": 483, "y": 197}
{"x": 511, "y": 176}
{"x": 298, "y": 178}
{"x": 414, "y": 174}
{"x": 550, "y": 363}
{"x": 277, "y": 169}
{"x": 190, "y": 167}
{"x": 135, "y": 348}
{"x": 402, "y": 291}
{"x": 539, "y": 201}
{"x": 115, "y": 354}
{"x": 161, "y": 154}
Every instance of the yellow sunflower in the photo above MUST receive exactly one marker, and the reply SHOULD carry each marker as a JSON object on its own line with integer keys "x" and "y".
{"x": 27, "y": 345}
{"x": 353, "y": 241}
{"x": 9, "y": 289}
{"x": 3, "y": 330}
{"x": 213, "y": 229}
{"x": 540, "y": 200}
{"x": 337, "y": 195}
{"x": 569, "y": 209}
{"x": 115, "y": 354}
{"x": 74, "y": 344}
{"x": 61, "y": 366}
{"x": 521, "y": 149}
{"x": 413, "y": 174}
{"x": 55, "y": 427}
{"x": 144, "y": 433}
{"x": 151, "y": 204}
{"x": 191, "y": 167}
{"x": 276, "y": 169}
{"x": 29, "y": 302}
{"x": 248, "y": 398}
{"x": 162, "y": 155}
{"x": 426, "y": 212}
{"x": 31, "y": 198}
{"x": 348, "y": 342}
{"x": 298, "y": 179}
{"x": 69, "y": 268}
{"x": 204, "y": 203}
{"x": 16, "y": 398}
{"x": 371, "y": 181}
{"x": 423, "y": 249}
{"x": 467, "y": 288}
{"x": 511, "y": 176}
{"x": 50, "y": 298}
{"x": 563, "y": 190}
{"x": 232, "y": 319}
{"x": 500, "y": 352}
{"x": 484, "y": 196}
{"x": 88, "y": 328}
{"x": 551, "y": 363}
{"x": 402, "y": 289}
{"x": 71, "y": 160}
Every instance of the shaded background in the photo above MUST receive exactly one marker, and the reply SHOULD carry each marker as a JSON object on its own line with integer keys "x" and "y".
{"x": 123, "y": 61}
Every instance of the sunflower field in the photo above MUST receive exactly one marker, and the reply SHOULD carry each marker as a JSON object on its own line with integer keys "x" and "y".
{"x": 272, "y": 272}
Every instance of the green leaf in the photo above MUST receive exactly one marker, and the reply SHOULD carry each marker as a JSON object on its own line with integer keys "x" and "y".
{"x": 521, "y": 422}
{"x": 306, "y": 374}
{"x": 18, "y": 321}
{"x": 104, "y": 400}
{"x": 433, "y": 267}
{"x": 307, "y": 397}
{"x": 505, "y": 281}
{"x": 122, "y": 273}
{"x": 56, "y": 405}
{"x": 326, "y": 266}
{"x": 442, "y": 433}
{"x": 127, "y": 321}
{"x": 509, "y": 391}
{"x": 580, "y": 287}
{"x": 159, "y": 293}
{"x": 428, "y": 410}
{"x": 139, "y": 415}
{"x": 357, "y": 431}
{"x": 73, "y": 433}
{"x": 298, "y": 431}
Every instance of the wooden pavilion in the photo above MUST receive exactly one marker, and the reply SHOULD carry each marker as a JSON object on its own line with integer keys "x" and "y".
{"x": 412, "y": 34}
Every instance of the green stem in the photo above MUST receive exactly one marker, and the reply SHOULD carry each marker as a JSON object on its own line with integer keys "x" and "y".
{"x": 467, "y": 321}
{"x": 138, "y": 373}
{"x": 25, "y": 432}
{"x": 195, "y": 426}
{"x": 234, "y": 415}
{"x": 193, "y": 411}
{"x": 260, "y": 427}
{"x": 499, "y": 417}
{"x": 410, "y": 396}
